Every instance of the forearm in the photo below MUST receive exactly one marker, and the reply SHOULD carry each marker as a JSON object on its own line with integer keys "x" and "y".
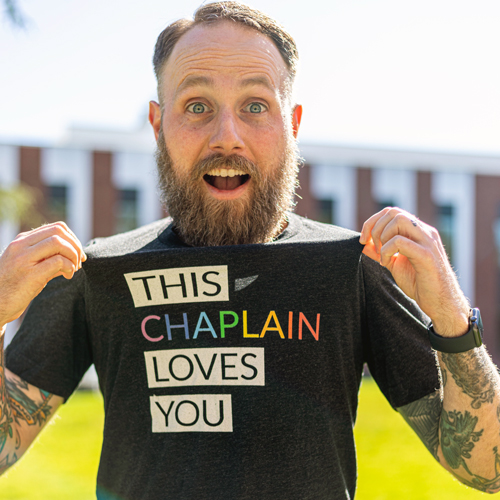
{"x": 469, "y": 427}
{"x": 460, "y": 424}
{"x": 24, "y": 411}
{"x": 9, "y": 435}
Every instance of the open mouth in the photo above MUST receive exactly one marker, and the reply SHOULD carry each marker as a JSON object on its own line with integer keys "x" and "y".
{"x": 226, "y": 179}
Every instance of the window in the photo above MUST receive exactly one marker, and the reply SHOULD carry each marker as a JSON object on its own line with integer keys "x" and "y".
{"x": 383, "y": 204}
{"x": 446, "y": 227}
{"x": 126, "y": 217}
{"x": 496, "y": 233}
{"x": 326, "y": 211}
{"x": 57, "y": 203}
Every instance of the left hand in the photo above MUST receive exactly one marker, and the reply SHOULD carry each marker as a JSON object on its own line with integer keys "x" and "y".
{"x": 414, "y": 254}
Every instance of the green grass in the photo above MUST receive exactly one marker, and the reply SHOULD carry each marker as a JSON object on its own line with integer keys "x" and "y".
{"x": 393, "y": 464}
{"x": 62, "y": 463}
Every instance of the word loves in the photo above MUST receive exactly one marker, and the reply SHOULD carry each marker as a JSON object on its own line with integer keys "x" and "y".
{"x": 293, "y": 326}
{"x": 205, "y": 366}
{"x": 178, "y": 285}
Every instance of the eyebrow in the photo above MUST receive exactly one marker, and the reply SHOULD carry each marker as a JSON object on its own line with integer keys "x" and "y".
{"x": 197, "y": 81}
{"x": 257, "y": 80}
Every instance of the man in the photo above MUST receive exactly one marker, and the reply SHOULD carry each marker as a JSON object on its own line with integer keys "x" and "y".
{"x": 230, "y": 339}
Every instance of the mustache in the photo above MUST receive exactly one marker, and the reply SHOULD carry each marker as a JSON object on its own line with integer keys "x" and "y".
{"x": 234, "y": 161}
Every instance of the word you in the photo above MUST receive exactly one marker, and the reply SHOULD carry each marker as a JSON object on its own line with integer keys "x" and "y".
{"x": 192, "y": 413}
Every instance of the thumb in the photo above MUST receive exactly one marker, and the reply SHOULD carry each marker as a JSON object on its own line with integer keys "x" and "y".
{"x": 371, "y": 251}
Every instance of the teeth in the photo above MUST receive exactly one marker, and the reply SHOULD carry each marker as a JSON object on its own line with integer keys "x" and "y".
{"x": 225, "y": 172}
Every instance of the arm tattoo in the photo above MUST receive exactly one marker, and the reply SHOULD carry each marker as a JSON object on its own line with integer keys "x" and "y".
{"x": 17, "y": 406}
{"x": 23, "y": 407}
{"x": 471, "y": 374}
{"x": 444, "y": 376}
{"x": 6, "y": 420}
{"x": 483, "y": 484}
{"x": 423, "y": 417}
{"x": 458, "y": 437}
{"x": 457, "y": 441}
{"x": 476, "y": 376}
{"x": 498, "y": 414}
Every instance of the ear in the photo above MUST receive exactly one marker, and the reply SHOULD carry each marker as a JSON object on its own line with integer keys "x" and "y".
{"x": 296, "y": 117}
{"x": 155, "y": 117}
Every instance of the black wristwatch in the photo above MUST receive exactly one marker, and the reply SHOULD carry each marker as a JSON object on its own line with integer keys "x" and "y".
{"x": 472, "y": 339}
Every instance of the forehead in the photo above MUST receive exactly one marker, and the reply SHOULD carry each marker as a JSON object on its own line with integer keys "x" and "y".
{"x": 224, "y": 49}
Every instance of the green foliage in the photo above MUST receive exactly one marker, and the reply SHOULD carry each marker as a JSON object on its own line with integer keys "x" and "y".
{"x": 17, "y": 204}
{"x": 14, "y": 14}
{"x": 393, "y": 463}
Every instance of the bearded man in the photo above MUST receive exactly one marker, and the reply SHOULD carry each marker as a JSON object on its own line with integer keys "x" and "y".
{"x": 230, "y": 338}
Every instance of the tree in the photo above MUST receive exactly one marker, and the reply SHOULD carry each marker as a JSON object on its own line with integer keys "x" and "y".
{"x": 17, "y": 204}
{"x": 14, "y": 14}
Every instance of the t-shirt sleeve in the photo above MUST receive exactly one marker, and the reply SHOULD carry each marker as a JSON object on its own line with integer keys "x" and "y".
{"x": 51, "y": 350}
{"x": 396, "y": 343}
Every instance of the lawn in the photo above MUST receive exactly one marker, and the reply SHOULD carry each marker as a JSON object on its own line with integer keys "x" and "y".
{"x": 392, "y": 461}
{"x": 393, "y": 464}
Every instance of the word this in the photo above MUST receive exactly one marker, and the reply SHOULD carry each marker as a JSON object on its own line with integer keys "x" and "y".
{"x": 178, "y": 285}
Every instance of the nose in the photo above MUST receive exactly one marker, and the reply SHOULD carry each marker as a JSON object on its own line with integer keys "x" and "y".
{"x": 226, "y": 137}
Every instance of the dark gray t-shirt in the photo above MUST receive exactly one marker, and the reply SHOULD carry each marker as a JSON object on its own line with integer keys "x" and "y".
{"x": 227, "y": 372}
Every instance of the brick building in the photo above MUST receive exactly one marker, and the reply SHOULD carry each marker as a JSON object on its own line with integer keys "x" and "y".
{"x": 103, "y": 182}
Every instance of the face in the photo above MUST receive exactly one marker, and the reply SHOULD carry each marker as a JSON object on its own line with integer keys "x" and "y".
{"x": 226, "y": 148}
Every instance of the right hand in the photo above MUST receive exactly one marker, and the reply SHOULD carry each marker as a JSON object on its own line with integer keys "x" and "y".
{"x": 31, "y": 261}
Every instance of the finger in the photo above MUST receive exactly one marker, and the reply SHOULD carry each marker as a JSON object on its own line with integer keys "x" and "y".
{"x": 382, "y": 223}
{"x": 55, "y": 245}
{"x": 21, "y": 278}
{"x": 371, "y": 251}
{"x": 54, "y": 266}
{"x": 66, "y": 230}
{"x": 80, "y": 246}
{"x": 368, "y": 226}
{"x": 404, "y": 225}
{"x": 410, "y": 249}
{"x": 58, "y": 228}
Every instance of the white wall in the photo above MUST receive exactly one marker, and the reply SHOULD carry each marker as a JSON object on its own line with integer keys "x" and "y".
{"x": 398, "y": 186}
{"x": 138, "y": 171}
{"x": 337, "y": 182}
{"x": 72, "y": 168}
{"x": 458, "y": 190}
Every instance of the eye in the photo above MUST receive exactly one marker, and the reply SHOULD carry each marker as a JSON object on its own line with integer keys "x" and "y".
{"x": 256, "y": 107}
{"x": 197, "y": 108}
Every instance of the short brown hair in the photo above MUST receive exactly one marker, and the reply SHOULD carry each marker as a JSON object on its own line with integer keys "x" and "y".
{"x": 227, "y": 11}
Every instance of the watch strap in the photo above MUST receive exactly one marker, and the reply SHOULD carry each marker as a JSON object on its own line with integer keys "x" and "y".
{"x": 470, "y": 340}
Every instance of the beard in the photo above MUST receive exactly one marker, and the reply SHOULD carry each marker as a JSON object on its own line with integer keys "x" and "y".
{"x": 202, "y": 220}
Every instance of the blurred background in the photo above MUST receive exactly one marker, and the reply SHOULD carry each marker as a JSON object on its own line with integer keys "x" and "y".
{"x": 401, "y": 107}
